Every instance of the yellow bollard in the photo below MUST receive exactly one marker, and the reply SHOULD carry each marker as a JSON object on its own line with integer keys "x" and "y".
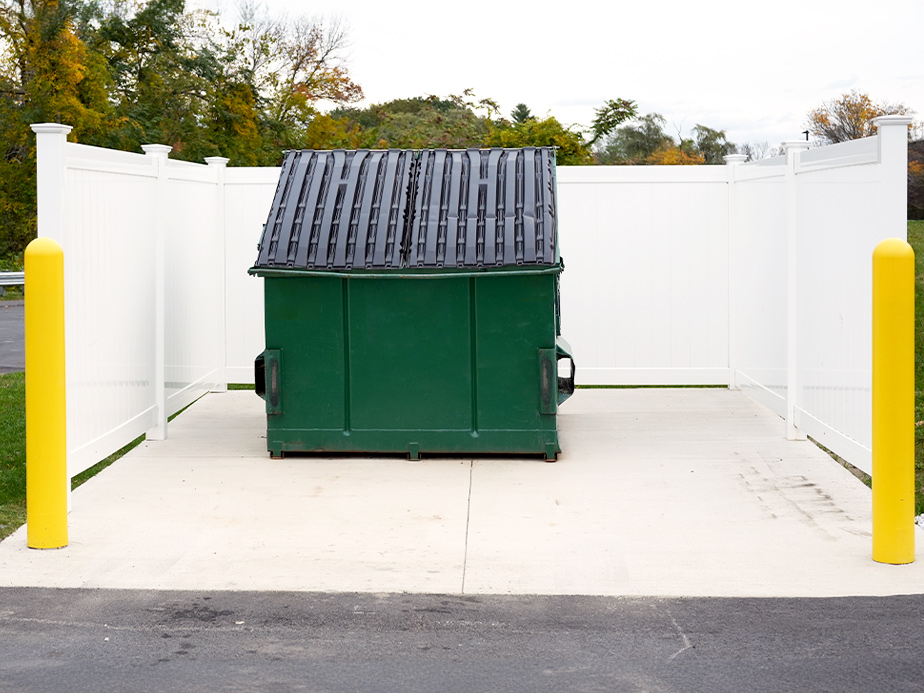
{"x": 46, "y": 448}
{"x": 893, "y": 402}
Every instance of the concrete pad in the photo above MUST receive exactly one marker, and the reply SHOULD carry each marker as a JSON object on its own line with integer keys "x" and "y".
{"x": 684, "y": 492}
{"x": 637, "y": 506}
{"x": 225, "y": 516}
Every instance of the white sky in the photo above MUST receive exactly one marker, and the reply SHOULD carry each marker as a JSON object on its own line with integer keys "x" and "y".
{"x": 753, "y": 68}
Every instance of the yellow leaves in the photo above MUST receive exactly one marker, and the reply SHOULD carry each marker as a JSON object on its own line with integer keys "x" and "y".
{"x": 326, "y": 132}
{"x": 850, "y": 117}
{"x": 52, "y": 72}
{"x": 675, "y": 156}
{"x": 571, "y": 149}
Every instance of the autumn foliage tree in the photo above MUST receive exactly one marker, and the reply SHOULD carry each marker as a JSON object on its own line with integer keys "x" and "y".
{"x": 571, "y": 149}
{"x": 644, "y": 141}
{"x": 127, "y": 73}
{"x": 47, "y": 73}
{"x": 849, "y": 117}
{"x": 916, "y": 180}
{"x": 463, "y": 121}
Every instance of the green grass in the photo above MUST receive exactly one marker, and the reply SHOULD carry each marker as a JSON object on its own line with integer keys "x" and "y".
{"x": 12, "y": 294}
{"x": 651, "y": 387}
{"x": 916, "y": 239}
{"x": 12, "y": 452}
{"x": 88, "y": 474}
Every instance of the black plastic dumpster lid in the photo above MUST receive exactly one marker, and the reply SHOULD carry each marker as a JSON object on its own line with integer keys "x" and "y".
{"x": 396, "y": 209}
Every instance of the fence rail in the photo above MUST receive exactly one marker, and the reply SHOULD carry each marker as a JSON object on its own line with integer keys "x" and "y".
{"x": 747, "y": 275}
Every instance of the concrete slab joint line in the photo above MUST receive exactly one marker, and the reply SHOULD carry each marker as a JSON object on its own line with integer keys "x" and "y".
{"x": 468, "y": 520}
{"x": 659, "y": 493}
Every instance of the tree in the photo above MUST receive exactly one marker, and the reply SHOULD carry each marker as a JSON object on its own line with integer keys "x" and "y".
{"x": 916, "y": 179}
{"x": 309, "y": 68}
{"x": 675, "y": 155}
{"x": 635, "y": 143}
{"x": 163, "y": 68}
{"x": 755, "y": 151}
{"x": 47, "y": 74}
{"x": 152, "y": 71}
{"x": 521, "y": 114}
{"x": 421, "y": 122}
{"x": 645, "y": 142}
{"x": 570, "y": 147}
{"x": 712, "y": 145}
{"x": 609, "y": 116}
{"x": 850, "y": 117}
{"x": 327, "y": 132}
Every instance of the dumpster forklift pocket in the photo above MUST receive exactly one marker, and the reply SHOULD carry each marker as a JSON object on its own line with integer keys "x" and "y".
{"x": 548, "y": 382}
{"x": 566, "y": 382}
{"x": 267, "y": 379}
{"x": 259, "y": 376}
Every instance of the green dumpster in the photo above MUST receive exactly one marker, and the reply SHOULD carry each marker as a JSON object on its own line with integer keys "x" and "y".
{"x": 411, "y": 303}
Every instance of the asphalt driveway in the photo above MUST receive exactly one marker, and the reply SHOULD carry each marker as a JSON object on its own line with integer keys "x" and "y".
{"x": 12, "y": 336}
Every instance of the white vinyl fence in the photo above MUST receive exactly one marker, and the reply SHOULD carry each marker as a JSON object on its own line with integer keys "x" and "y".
{"x": 144, "y": 286}
{"x": 803, "y": 230}
{"x": 749, "y": 275}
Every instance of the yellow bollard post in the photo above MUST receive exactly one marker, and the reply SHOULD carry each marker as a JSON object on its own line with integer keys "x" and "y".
{"x": 46, "y": 448}
{"x": 893, "y": 402}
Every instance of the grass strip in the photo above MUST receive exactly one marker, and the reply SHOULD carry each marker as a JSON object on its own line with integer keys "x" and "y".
{"x": 916, "y": 239}
{"x": 12, "y": 452}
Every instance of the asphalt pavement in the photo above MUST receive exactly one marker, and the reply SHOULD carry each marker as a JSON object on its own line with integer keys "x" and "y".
{"x": 12, "y": 336}
{"x": 97, "y": 641}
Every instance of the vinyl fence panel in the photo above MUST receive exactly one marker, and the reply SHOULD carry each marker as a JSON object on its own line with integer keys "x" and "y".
{"x": 645, "y": 289}
{"x": 750, "y": 275}
{"x": 109, "y": 290}
{"x": 248, "y": 197}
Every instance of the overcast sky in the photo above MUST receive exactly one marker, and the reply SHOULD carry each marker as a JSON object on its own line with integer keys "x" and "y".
{"x": 753, "y": 69}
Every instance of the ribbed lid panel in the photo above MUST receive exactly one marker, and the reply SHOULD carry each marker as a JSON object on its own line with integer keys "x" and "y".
{"x": 391, "y": 209}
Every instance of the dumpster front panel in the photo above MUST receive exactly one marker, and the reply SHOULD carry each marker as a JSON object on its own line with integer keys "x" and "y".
{"x": 514, "y": 321}
{"x": 304, "y": 320}
{"x": 448, "y": 365}
{"x": 409, "y": 354}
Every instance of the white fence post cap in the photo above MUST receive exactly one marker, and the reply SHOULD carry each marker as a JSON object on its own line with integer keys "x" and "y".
{"x": 795, "y": 145}
{"x": 887, "y": 120}
{"x": 156, "y": 149}
{"x": 217, "y": 160}
{"x": 50, "y": 128}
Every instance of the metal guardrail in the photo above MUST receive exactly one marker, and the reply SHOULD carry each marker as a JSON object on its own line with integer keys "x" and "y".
{"x": 11, "y": 279}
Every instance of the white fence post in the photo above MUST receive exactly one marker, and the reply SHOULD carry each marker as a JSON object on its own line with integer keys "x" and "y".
{"x": 893, "y": 157}
{"x": 732, "y": 161}
{"x": 50, "y": 139}
{"x": 219, "y": 164}
{"x": 158, "y": 154}
{"x": 792, "y": 150}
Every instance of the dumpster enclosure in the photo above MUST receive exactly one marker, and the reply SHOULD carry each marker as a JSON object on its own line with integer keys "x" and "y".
{"x": 411, "y": 303}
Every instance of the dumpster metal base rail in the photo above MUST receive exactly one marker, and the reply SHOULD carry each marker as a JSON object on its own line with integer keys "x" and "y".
{"x": 414, "y": 443}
